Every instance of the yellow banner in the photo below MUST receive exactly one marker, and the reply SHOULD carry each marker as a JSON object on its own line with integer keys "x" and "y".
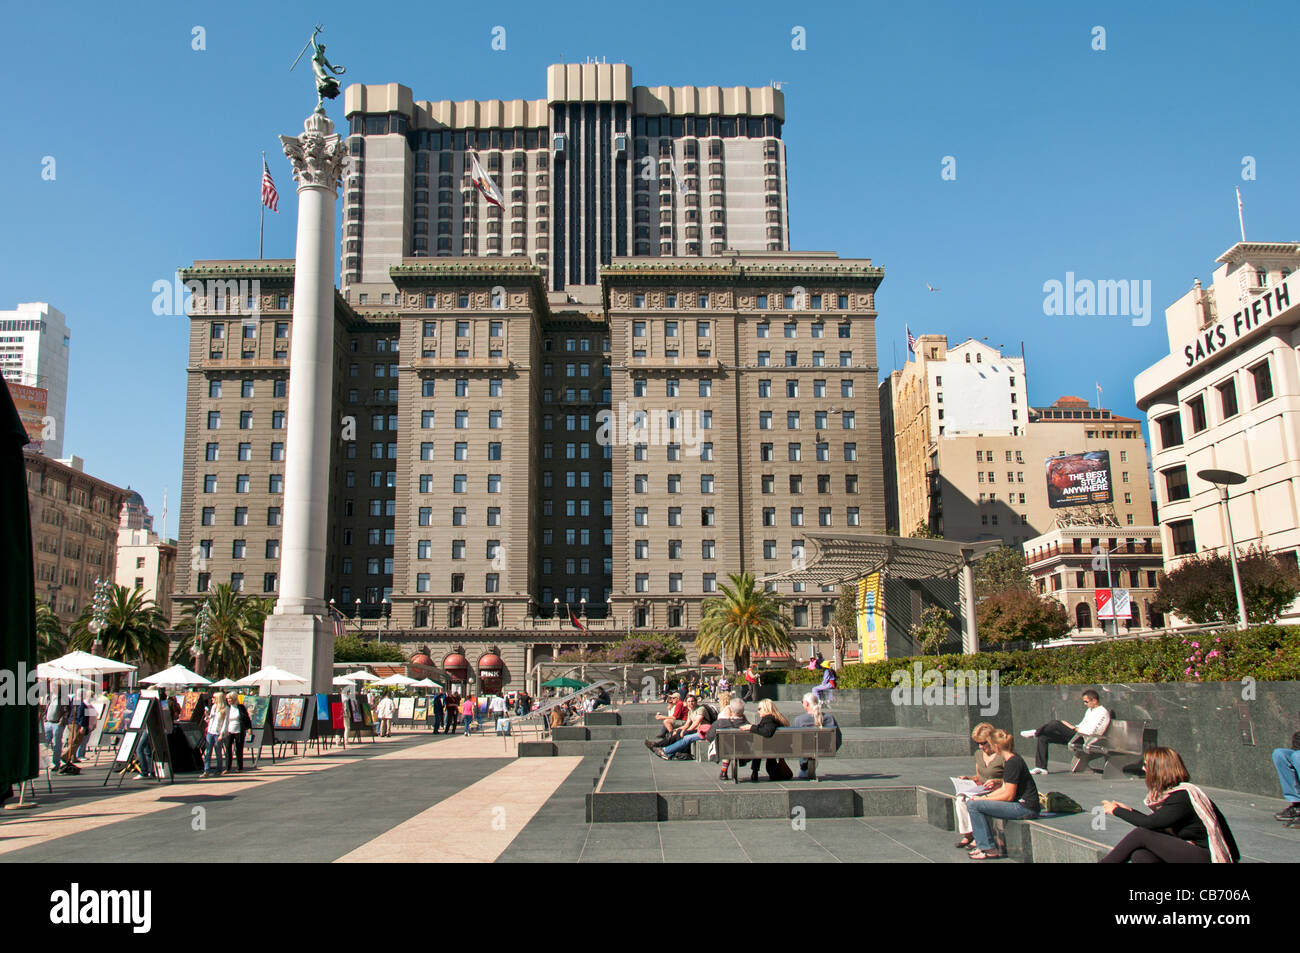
{"x": 871, "y": 618}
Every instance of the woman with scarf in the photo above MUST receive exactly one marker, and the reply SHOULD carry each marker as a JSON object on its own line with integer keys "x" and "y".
{"x": 1184, "y": 826}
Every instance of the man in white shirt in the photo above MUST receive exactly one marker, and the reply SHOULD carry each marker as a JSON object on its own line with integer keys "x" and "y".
{"x": 498, "y": 706}
{"x": 1096, "y": 719}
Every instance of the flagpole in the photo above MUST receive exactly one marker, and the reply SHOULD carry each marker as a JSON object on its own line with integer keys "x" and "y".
{"x": 261, "y": 208}
{"x": 1241, "y": 219}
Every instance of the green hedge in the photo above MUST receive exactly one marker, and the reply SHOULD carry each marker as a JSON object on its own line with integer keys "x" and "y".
{"x": 1267, "y": 653}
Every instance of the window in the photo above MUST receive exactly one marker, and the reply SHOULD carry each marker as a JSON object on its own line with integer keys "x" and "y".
{"x": 1175, "y": 484}
{"x": 1183, "y": 537}
{"x": 850, "y": 452}
{"x": 1197, "y": 408}
{"x": 214, "y": 420}
{"x": 792, "y": 420}
{"x": 848, "y": 420}
{"x": 1171, "y": 430}
{"x": 1263, "y": 378}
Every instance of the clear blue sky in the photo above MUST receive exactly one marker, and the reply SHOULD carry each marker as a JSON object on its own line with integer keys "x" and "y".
{"x": 1114, "y": 165}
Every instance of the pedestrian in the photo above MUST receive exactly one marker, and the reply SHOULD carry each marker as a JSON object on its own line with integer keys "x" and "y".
{"x": 56, "y": 724}
{"x": 453, "y": 712}
{"x": 92, "y": 717}
{"x": 499, "y": 709}
{"x": 236, "y": 725}
{"x": 216, "y": 727}
{"x": 439, "y": 706}
{"x": 467, "y": 712}
{"x": 384, "y": 712}
{"x": 245, "y": 724}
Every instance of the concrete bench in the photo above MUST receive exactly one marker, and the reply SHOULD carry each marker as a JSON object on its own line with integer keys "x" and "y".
{"x": 802, "y": 743}
{"x": 1123, "y": 746}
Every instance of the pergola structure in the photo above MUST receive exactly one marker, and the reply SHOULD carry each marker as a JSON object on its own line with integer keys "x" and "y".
{"x": 839, "y": 558}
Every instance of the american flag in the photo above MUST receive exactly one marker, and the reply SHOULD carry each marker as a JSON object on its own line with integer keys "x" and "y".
{"x": 911, "y": 339}
{"x": 270, "y": 198}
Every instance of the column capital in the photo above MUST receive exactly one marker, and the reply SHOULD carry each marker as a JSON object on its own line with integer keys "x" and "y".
{"x": 318, "y": 154}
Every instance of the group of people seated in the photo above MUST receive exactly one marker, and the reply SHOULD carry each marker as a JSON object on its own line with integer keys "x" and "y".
{"x": 689, "y": 721}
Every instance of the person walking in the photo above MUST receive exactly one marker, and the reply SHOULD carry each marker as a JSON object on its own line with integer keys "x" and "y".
{"x": 245, "y": 722}
{"x": 467, "y": 711}
{"x": 439, "y": 706}
{"x": 218, "y": 714}
{"x": 499, "y": 709}
{"x": 236, "y": 725}
{"x": 56, "y": 725}
{"x": 453, "y": 712}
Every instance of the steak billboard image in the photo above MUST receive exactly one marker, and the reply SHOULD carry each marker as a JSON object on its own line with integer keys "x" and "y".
{"x": 1078, "y": 478}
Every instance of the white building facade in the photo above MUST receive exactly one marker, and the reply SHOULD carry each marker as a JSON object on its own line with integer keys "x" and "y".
{"x": 34, "y": 345}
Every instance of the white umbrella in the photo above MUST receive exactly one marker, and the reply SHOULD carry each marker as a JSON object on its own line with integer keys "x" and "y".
{"x": 343, "y": 681}
{"x": 427, "y": 683}
{"x": 359, "y": 676}
{"x": 85, "y": 662}
{"x": 176, "y": 675}
{"x": 271, "y": 676}
{"x": 54, "y": 673}
{"x": 397, "y": 680}
{"x": 224, "y": 683}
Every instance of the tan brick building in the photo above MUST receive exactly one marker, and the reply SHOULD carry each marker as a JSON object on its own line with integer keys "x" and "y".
{"x": 74, "y": 532}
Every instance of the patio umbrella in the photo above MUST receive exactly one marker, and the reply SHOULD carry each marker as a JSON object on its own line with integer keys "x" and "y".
{"x": 359, "y": 676}
{"x": 53, "y": 673}
{"x": 224, "y": 683}
{"x": 564, "y": 683}
{"x": 19, "y": 756}
{"x": 343, "y": 681}
{"x": 396, "y": 681}
{"x": 85, "y": 662}
{"x": 427, "y": 683}
{"x": 176, "y": 675}
{"x": 272, "y": 676}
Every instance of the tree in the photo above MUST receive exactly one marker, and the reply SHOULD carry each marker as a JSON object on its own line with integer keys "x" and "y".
{"x": 743, "y": 620}
{"x": 351, "y": 649}
{"x": 922, "y": 531}
{"x": 50, "y": 639}
{"x": 1015, "y": 615}
{"x": 932, "y": 631}
{"x": 1002, "y": 570}
{"x": 134, "y": 629}
{"x": 232, "y": 634}
{"x": 844, "y": 621}
{"x": 658, "y": 647}
{"x": 1200, "y": 588}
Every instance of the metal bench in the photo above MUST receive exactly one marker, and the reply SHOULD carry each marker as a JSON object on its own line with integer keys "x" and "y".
{"x": 1123, "y": 746}
{"x": 812, "y": 744}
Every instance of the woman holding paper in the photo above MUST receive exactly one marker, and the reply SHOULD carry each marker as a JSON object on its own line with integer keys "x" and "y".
{"x": 987, "y": 776}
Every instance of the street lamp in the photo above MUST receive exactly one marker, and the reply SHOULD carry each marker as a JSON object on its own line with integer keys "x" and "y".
{"x": 200, "y": 633}
{"x": 582, "y": 607}
{"x": 388, "y": 613}
{"x": 556, "y": 603}
{"x": 1224, "y": 479}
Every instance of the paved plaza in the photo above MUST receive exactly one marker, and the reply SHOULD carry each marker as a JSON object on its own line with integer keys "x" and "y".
{"x": 417, "y": 796}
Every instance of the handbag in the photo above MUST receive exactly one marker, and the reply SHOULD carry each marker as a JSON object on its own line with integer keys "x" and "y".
{"x": 783, "y": 771}
{"x": 1054, "y": 802}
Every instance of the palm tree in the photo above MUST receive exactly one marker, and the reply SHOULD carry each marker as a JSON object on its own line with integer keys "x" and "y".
{"x": 134, "y": 629}
{"x": 743, "y": 620}
{"x": 50, "y": 639}
{"x": 232, "y": 634}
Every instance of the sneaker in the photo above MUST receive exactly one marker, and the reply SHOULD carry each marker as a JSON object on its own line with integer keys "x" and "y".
{"x": 649, "y": 744}
{"x": 1292, "y": 811}
{"x": 1037, "y": 770}
{"x": 1028, "y": 733}
{"x": 659, "y": 753}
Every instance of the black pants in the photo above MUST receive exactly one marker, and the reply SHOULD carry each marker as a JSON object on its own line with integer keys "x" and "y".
{"x": 1054, "y": 732}
{"x": 437, "y": 720}
{"x": 451, "y": 723}
{"x": 1141, "y": 846}
{"x": 232, "y": 746}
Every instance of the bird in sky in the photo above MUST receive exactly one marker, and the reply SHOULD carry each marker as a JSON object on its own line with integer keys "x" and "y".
{"x": 932, "y": 287}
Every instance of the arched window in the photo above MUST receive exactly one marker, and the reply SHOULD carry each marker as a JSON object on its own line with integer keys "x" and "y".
{"x": 1083, "y": 616}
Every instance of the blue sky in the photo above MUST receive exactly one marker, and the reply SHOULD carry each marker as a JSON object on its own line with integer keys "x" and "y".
{"x": 1114, "y": 164}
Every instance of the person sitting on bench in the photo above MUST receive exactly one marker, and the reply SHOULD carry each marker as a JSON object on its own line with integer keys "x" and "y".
{"x": 768, "y": 721}
{"x": 1095, "y": 722}
{"x": 814, "y": 717}
{"x": 681, "y": 736}
{"x": 1286, "y": 762}
{"x": 1185, "y": 826}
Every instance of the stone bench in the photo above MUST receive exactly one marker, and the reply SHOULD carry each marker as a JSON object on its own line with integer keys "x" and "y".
{"x": 802, "y": 743}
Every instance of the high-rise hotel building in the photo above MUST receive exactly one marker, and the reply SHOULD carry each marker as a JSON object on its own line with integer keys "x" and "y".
{"x": 602, "y": 399}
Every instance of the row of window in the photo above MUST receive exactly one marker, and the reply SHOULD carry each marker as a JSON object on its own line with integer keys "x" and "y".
{"x": 239, "y": 549}
{"x": 793, "y": 419}
{"x": 768, "y": 483}
{"x": 212, "y": 451}
{"x": 208, "y": 516}
{"x": 246, "y": 420}
{"x": 279, "y": 387}
{"x": 243, "y": 482}
{"x": 204, "y": 582}
{"x": 1171, "y": 425}
{"x": 217, "y": 330}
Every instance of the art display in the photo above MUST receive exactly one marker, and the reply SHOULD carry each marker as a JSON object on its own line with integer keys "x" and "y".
{"x": 132, "y": 699}
{"x": 127, "y": 747}
{"x": 116, "y": 712}
{"x": 138, "y": 716}
{"x": 257, "y": 706}
{"x": 367, "y": 716}
{"x": 406, "y": 708}
{"x": 289, "y": 713}
{"x": 336, "y": 715}
{"x": 322, "y": 708}
{"x": 354, "y": 711}
{"x": 189, "y": 705}
{"x": 421, "y": 709}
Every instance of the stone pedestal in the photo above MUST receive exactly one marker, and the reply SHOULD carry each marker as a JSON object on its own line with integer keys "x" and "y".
{"x": 299, "y": 636}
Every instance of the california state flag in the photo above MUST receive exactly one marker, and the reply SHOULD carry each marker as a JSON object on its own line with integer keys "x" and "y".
{"x": 483, "y": 182}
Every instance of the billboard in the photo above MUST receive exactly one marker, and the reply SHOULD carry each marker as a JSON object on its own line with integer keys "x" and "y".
{"x": 31, "y": 403}
{"x": 1074, "y": 479}
{"x": 871, "y": 618}
{"x": 1113, "y": 604}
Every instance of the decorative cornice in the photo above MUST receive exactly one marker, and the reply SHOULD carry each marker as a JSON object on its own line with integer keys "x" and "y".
{"x": 318, "y": 155}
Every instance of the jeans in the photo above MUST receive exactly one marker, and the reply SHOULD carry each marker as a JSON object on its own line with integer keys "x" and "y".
{"x": 981, "y": 809}
{"x": 1287, "y": 763}
{"x": 81, "y": 748}
{"x": 54, "y": 735}
{"x": 211, "y": 752}
{"x": 437, "y": 719}
{"x": 468, "y": 721}
{"x": 146, "y": 757}
{"x": 685, "y": 742}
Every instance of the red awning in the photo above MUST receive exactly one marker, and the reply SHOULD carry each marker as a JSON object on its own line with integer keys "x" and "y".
{"x": 490, "y": 661}
{"x": 455, "y": 663}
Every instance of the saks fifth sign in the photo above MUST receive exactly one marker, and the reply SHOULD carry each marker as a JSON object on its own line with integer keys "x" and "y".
{"x": 1228, "y": 331}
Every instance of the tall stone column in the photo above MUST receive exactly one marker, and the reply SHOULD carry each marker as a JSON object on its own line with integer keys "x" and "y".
{"x": 299, "y": 636}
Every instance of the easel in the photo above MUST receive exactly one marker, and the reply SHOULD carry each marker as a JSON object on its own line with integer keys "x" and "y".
{"x": 28, "y": 785}
{"x": 146, "y": 723}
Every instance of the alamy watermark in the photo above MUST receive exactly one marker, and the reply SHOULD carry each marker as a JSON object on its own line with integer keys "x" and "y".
{"x": 225, "y": 296}
{"x": 934, "y": 686}
{"x": 1125, "y": 298}
{"x": 658, "y": 426}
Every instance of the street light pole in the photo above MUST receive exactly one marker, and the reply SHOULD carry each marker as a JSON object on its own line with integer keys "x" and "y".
{"x": 1223, "y": 479}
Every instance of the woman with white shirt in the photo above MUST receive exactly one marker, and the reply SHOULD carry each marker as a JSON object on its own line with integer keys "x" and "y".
{"x": 218, "y": 717}
{"x": 234, "y": 728}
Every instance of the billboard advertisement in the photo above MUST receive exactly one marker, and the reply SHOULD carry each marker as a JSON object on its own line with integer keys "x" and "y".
{"x": 871, "y": 617}
{"x": 1114, "y": 604}
{"x": 1074, "y": 479}
{"x": 31, "y": 403}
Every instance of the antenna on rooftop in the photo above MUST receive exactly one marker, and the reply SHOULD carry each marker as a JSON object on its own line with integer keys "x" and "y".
{"x": 780, "y": 84}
